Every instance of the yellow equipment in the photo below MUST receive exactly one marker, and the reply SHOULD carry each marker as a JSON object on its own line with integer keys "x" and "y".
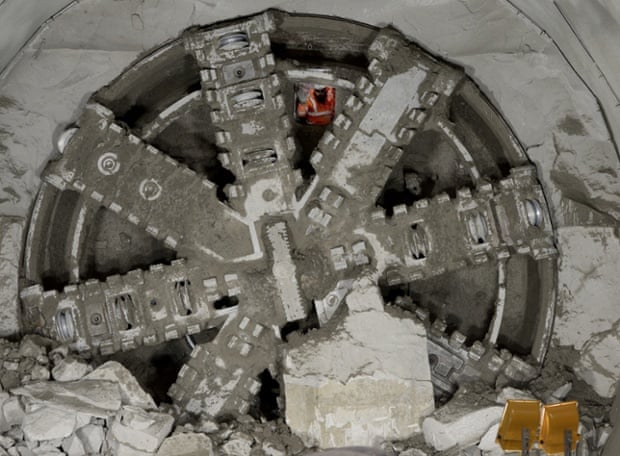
{"x": 555, "y": 427}
{"x": 519, "y": 425}
{"x": 558, "y": 428}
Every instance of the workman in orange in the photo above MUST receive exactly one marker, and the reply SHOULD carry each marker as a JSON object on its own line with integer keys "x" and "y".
{"x": 316, "y": 104}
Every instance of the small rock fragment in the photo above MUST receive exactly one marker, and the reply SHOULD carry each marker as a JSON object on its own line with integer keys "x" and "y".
{"x": 238, "y": 444}
{"x": 70, "y": 369}
{"x": 10, "y": 379}
{"x": 73, "y": 446}
{"x": 140, "y": 429}
{"x": 464, "y": 431}
{"x": 131, "y": 391}
{"x": 413, "y": 452}
{"x": 188, "y": 444}
{"x": 273, "y": 449}
{"x": 513, "y": 393}
{"x": 207, "y": 426}
{"x": 487, "y": 443}
{"x": 39, "y": 373}
{"x": 13, "y": 411}
{"x": 560, "y": 393}
{"x": 29, "y": 348}
{"x": 91, "y": 437}
{"x": 120, "y": 449}
{"x": 6, "y": 442}
{"x": 59, "y": 353}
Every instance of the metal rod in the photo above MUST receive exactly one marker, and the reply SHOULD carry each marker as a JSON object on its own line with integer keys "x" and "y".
{"x": 568, "y": 440}
{"x": 525, "y": 442}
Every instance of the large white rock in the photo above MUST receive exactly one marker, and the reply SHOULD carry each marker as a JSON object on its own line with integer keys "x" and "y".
{"x": 588, "y": 284}
{"x": 97, "y": 398}
{"x": 48, "y": 423}
{"x": 465, "y": 431}
{"x": 10, "y": 243}
{"x": 189, "y": 444}
{"x": 131, "y": 391}
{"x": 141, "y": 430}
{"x": 599, "y": 364}
{"x": 362, "y": 382}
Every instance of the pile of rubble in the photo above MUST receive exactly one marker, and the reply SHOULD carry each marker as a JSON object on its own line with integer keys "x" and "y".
{"x": 54, "y": 403}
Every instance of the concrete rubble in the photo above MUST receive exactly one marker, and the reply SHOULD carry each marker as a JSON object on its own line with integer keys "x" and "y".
{"x": 356, "y": 388}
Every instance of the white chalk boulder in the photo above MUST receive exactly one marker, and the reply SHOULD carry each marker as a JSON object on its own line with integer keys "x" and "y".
{"x": 365, "y": 381}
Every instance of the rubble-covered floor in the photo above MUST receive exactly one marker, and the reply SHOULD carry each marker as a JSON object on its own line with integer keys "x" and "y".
{"x": 349, "y": 382}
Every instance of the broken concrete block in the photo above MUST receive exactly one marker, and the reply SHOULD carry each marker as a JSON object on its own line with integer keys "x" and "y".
{"x": 48, "y": 423}
{"x": 466, "y": 430}
{"x": 98, "y": 398}
{"x": 13, "y": 411}
{"x": 188, "y": 444}
{"x": 92, "y": 437}
{"x": 355, "y": 386}
{"x": 131, "y": 391}
{"x": 73, "y": 446}
{"x": 599, "y": 364}
{"x": 70, "y": 369}
{"x": 140, "y": 429}
{"x": 238, "y": 444}
{"x": 10, "y": 245}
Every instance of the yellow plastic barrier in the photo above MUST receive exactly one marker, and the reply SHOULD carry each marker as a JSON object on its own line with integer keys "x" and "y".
{"x": 558, "y": 428}
{"x": 518, "y": 428}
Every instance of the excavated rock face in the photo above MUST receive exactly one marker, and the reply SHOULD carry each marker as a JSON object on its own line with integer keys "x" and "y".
{"x": 231, "y": 187}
